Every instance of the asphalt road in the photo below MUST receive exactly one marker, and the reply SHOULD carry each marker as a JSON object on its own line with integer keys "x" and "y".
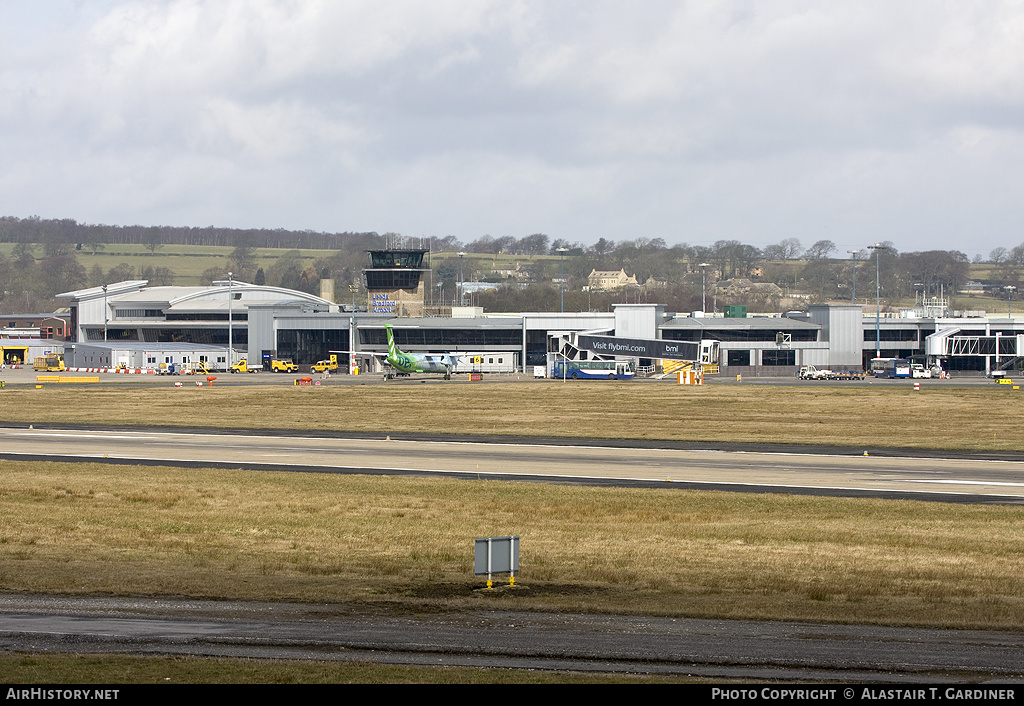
{"x": 602, "y": 643}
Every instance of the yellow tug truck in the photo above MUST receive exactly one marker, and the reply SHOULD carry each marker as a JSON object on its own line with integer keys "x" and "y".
{"x": 326, "y": 365}
{"x": 49, "y": 364}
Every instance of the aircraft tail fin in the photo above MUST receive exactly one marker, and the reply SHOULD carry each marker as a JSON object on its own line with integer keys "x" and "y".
{"x": 392, "y": 348}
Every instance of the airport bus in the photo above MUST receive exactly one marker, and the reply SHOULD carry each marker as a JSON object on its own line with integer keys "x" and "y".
{"x": 592, "y": 369}
{"x": 890, "y": 367}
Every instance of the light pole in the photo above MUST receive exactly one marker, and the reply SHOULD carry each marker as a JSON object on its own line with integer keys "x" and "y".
{"x": 878, "y": 248}
{"x": 703, "y": 286}
{"x": 561, "y": 279}
{"x": 1009, "y": 297}
{"x": 853, "y": 259}
{"x": 104, "y": 313}
{"x": 462, "y": 280}
{"x": 231, "y": 296}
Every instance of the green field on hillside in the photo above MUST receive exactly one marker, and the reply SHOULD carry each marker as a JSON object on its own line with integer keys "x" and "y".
{"x": 186, "y": 262}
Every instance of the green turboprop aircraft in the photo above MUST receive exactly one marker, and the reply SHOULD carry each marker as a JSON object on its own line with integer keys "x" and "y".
{"x": 406, "y": 363}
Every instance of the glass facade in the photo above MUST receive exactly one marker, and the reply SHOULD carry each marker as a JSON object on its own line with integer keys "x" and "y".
{"x": 739, "y": 335}
{"x": 779, "y": 357}
{"x": 208, "y": 336}
{"x": 113, "y": 334}
{"x": 444, "y": 339}
{"x": 536, "y": 347}
{"x": 392, "y": 279}
{"x": 738, "y": 357}
{"x": 307, "y": 346}
{"x": 397, "y": 258}
{"x": 235, "y": 316}
{"x": 901, "y": 334}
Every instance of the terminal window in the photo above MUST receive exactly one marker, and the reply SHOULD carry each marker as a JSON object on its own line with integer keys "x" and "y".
{"x": 778, "y": 357}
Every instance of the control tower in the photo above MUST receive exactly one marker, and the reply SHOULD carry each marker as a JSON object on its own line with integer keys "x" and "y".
{"x": 394, "y": 282}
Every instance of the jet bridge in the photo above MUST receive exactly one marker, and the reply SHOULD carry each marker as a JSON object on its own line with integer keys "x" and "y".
{"x": 949, "y": 343}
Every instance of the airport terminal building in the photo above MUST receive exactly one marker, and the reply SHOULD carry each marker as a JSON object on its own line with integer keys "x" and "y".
{"x": 262, "y": 323}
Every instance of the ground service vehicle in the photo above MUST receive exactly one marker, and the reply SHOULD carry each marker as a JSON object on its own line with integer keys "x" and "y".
{"x": 919, "y": 371}
{"x": 592, "y": 369}
{"x": 890, "y": 367}
{"x": 1013, "y": 366}
{"x": 809, "y": 372}
{"x": 323, "y": 365}
{"x": 283, "y": 366}
{"x": 49, "y": 364}
{"x": 242, "y": 366}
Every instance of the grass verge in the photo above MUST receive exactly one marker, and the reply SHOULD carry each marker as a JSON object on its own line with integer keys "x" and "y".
{"x": 862, "y": 414}
{"x": 405, "y": 544}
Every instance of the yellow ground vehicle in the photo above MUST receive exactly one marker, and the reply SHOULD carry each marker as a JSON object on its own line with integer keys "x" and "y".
{"x": 322, "y": 365}
{"x": 242, "y": 366}
{"x": 49, "y": 363}
{"x": 283, "y": 366}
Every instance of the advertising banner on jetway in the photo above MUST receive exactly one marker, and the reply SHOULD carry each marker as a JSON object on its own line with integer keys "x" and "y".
{"x": 640, "y": 348}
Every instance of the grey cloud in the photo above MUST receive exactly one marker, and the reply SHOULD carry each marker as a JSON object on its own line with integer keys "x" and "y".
{"x": 688, "y": 121}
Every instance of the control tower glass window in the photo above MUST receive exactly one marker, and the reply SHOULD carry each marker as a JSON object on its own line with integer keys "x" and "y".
{"x": 397, "y": 258}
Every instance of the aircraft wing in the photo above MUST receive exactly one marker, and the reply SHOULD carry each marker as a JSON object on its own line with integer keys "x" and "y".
{"x": 373, "y": 353}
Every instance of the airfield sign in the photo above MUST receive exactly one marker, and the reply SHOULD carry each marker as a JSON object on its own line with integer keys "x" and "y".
{"x": 496, "y": 555}
{"x": 641, "y": 348}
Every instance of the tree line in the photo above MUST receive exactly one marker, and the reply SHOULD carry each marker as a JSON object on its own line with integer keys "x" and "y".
{"x": 44, "y": 262}
{"x": 68, "y": 231}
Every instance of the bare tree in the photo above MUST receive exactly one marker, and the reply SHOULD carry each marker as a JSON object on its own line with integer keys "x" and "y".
{"x": 788, "y": 249}
{"x": 821, "y": 250}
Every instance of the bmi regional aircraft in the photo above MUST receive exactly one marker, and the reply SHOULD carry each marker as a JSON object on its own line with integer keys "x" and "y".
{"x": 405, "y": 363}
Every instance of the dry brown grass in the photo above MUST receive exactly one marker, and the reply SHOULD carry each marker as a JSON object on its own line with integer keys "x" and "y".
{"x": 980, "y": 418}
{"x": 407, "y": 543}
{"x": 135, "y": 669}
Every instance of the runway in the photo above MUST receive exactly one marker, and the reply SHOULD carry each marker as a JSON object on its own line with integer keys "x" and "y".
{"x": 941, "y": 479}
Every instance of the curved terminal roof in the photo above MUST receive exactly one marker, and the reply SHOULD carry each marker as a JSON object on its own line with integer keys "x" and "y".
{"x": 193, "y": 298}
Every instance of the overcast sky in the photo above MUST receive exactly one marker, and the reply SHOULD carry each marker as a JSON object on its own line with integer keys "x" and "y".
{"x": 694, "y": 122}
